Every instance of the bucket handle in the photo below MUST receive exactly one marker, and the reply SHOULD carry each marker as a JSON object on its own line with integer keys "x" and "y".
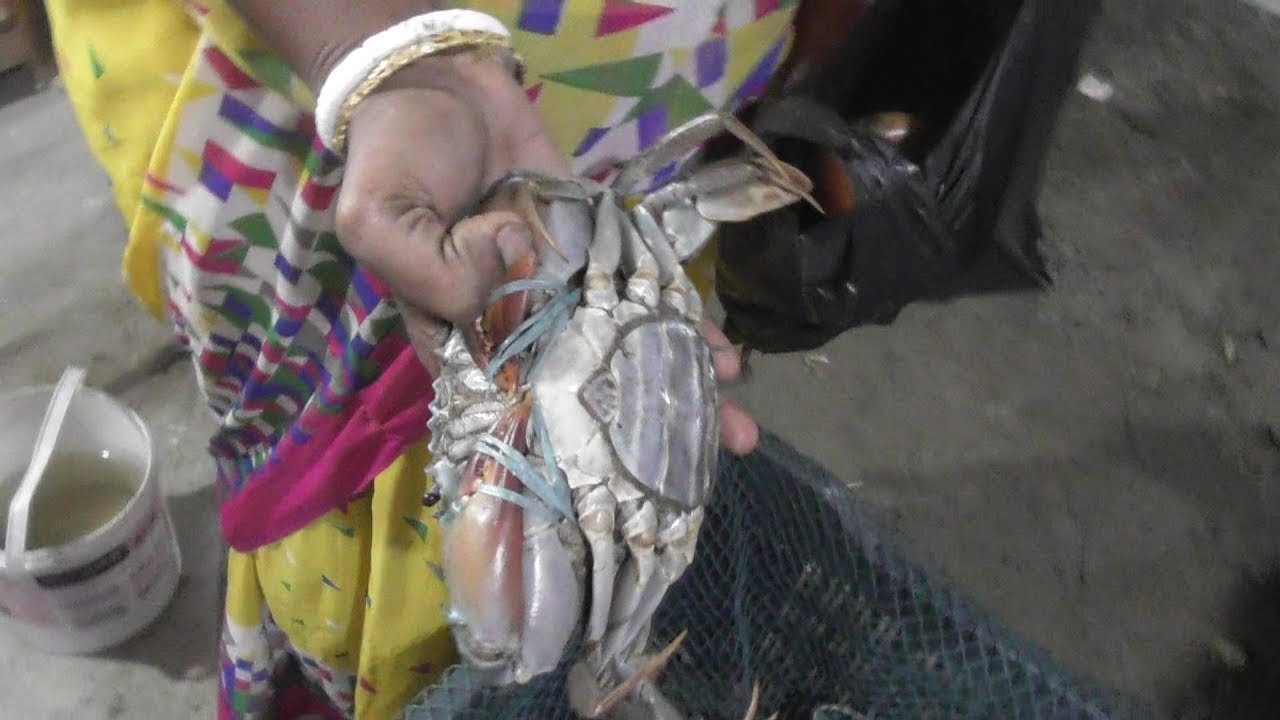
{"x": 15, "y": 544}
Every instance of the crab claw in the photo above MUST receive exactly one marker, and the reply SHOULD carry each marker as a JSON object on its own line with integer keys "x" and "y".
{"x": 527, "y": 206}
{"x": 731, "y": 190}
{"x": 673, "y": 146}
{"x": 765, "y": 185}
{"x": 482, "y": 552}
{"x": 515, "y": 593}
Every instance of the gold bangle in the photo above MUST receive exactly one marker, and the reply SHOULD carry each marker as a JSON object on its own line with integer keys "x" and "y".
{"x": 485, "y": 45}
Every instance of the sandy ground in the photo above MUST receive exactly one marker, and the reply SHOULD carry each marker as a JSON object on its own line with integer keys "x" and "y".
{"x": 1097, "y": 464}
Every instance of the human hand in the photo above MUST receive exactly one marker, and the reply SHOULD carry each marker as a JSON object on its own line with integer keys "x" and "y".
{"x": 421, "y": 150}
{"x": 738, "y": 430}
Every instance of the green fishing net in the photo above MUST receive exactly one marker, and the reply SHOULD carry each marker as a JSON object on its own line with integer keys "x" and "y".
{"x": 795, "y": 587}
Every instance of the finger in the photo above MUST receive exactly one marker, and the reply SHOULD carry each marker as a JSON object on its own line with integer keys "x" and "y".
{"x": 397, "y": 204}
{"x": 724, "y": 356}
{"x": 738, "y": 431}
{"x": 449, "y": 273}
{"x": 426, "y": 334}
{"x": 535, "y": 150}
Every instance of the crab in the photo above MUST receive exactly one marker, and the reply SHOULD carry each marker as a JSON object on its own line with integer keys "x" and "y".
{"x": 575, "y": 427}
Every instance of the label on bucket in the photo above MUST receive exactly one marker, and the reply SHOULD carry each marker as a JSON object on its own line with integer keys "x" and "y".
{"x": 101, "y": 590}
{"x": 85, "y": 572}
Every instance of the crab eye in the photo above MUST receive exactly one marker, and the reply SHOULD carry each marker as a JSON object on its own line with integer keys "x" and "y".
{"x": 432, "y": 498}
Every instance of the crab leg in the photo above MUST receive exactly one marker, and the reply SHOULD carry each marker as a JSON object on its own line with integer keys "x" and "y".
{"x": 637, "y": 597}
{"x": 682, "y": 140}
{"x": 590, "y": 700}
{"x": 730, "y": 190}
{"x": 677, "y": 289}
{"x": 645, "y": 274}
{"x": 762, "y": 186}
{"x": 603, "y": 257}
{"x": 571, "y": 222}
{"x": 527, "y": 205}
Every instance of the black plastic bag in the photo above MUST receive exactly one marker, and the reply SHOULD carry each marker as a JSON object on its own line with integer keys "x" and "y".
{"x": 947, "y": 210}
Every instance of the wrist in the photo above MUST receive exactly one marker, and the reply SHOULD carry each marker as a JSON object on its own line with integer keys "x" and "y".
{"x": 431, "y": 48}
{"x": 459, "y": 72}
{"x": 313, "y": 36}
{"x": 462, "y": 78}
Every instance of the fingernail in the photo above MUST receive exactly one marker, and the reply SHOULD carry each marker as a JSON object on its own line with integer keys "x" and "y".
{"x": 513, "y": 242}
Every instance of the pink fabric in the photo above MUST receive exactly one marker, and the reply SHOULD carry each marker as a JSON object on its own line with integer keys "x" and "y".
{"x": 338, "y": 461}
{"x": 291, "y": 703}
{"x": 298, "y": 702}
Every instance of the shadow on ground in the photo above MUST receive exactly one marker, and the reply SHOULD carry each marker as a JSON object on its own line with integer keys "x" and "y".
{"x": 17, "y": 84}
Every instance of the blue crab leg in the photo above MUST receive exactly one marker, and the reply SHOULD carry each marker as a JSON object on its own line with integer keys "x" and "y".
{"x": 677, "y": 290}
{"x": 603, "y": 703}
{"x": 656, "y": 240}
{"x": 548, "y": 186}
{"x": 527, "y": 206}
{"x": 527, "y": 187}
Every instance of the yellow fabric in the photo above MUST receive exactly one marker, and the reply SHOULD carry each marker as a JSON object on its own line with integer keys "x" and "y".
{"x": 128, "y": 98}
{"x": 123, "y": 93}
{"x": 338, "y": 589}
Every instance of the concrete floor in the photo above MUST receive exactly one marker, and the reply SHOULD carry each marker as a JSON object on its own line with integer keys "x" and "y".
{"x": 1097, "y": 465}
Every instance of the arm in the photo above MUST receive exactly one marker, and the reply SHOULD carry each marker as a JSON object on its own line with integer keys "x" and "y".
{"x": 313, "y": 35}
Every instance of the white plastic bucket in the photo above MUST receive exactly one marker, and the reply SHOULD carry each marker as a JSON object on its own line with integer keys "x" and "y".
{"x": 104, "y": 586}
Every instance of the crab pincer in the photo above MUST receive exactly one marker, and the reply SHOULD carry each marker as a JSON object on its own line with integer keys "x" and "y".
{"x": 509, "y": 557}
{"x": 482, "y": 551}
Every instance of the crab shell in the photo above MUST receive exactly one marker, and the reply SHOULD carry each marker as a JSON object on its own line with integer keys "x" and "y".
{"x": 635, "y": 401}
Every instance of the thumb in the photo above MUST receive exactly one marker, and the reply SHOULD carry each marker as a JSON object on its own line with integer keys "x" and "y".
{"x": 414, "y": 165}
{"x": 447, "y": 272}
{"x": 427, "y": 314}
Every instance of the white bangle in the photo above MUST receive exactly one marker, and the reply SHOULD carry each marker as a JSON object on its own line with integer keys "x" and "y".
{"x": 418, "y": 36}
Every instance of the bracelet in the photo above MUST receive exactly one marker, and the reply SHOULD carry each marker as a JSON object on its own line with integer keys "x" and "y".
{"x": 380, "y": 56}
